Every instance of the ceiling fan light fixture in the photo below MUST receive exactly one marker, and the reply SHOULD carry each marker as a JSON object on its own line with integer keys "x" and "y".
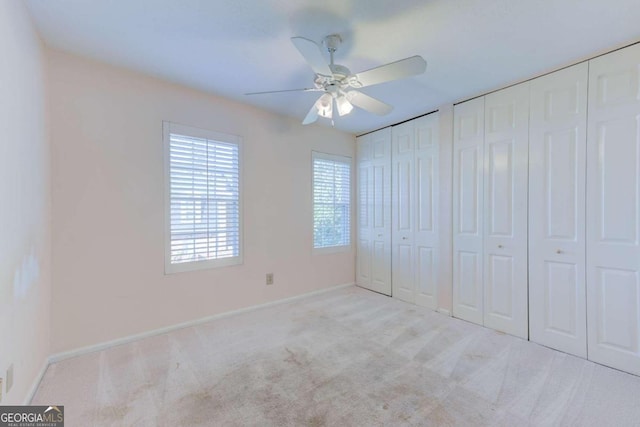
{"x": 325, "y": 106}
{"x": 343, "y": 104}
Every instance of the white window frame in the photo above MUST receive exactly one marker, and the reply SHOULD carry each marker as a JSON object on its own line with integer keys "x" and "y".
{"x": 167, "y": 129}
{"x": 335, "y": 158}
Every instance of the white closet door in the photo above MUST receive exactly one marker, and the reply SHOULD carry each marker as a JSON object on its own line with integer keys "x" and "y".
{"x": 613, "y": 210}
{"x": 363, "y": 209}
{"x": 373, "y": 267}
{"x": 468, "y": 147}
{"x": 426, "y": 210}
{"x": 381, "y": 211}
{"x": 557, "y": 156}
{"x": 506, "y": 148}
{"x": 402, "y": 237}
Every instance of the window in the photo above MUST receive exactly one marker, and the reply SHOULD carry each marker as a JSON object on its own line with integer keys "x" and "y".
{"x": 203, "y": 205}
{"x": 331, "y": 202}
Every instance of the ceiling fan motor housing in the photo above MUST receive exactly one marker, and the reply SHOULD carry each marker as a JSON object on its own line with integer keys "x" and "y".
{"x": 338, "y": 77}
{"x": 339, "y": 71}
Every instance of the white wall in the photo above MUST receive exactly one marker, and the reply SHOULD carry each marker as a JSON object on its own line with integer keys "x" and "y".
{"x": 106, "y": 130}
{"x": 25, "y": 248}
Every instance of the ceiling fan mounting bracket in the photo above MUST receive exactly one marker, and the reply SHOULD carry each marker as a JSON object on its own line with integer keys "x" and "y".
{"x": 332, "y": 42}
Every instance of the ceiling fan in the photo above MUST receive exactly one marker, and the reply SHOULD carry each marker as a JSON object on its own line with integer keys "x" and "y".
{"x": 339, "y": 84}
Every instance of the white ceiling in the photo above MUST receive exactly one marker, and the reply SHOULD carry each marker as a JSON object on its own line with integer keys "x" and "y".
{"x": 229, "y": 47}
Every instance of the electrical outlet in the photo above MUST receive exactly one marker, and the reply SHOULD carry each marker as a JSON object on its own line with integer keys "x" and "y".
{"x": 9, "y": 378}
{"x": 269, "y": 278}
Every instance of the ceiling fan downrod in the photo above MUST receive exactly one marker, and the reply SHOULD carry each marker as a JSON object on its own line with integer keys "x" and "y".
{"x": 332, "y": 42}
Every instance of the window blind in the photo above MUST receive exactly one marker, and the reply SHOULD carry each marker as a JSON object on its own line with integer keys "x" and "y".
{"x": 331, "y": 200}
{"x": 204, "y": 199}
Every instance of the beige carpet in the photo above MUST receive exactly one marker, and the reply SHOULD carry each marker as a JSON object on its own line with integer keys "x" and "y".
{"x": 345, "y": 358}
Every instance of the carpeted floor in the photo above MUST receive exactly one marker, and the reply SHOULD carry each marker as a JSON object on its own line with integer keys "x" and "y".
{"x": 345, "y": 358}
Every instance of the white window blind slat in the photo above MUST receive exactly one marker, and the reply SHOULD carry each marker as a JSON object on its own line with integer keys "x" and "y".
{"x": 331, "y": 201}
{"x": 204, "y": 199}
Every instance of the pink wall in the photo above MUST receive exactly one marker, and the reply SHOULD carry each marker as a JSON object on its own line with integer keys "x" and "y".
{"x": 108, "y": 205}
{"x": 25, "y": 215}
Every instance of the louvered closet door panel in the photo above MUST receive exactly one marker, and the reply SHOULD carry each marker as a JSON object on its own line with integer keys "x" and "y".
{"x": 426, "y": 210}
{"x": 381, "y": 211}
{"x": 557, "y": 156}
{"x": 402, "y": 237}
{"x": 613, "y": 210}
{"x": 505, "y": 210}
{"x": 364, "y": 211}
{"x": 468, "y": 149}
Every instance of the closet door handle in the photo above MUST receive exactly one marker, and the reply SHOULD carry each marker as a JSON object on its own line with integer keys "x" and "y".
{"x": 500, "y": 246}
{"x": 404, "y": 238}
{"x": 559, "y": 251}
{"x": 379, "y": 235}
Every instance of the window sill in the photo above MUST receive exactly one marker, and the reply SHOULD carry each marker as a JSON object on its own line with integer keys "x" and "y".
{"x": 332, "y": 250}
{"x": 201, "y": 265}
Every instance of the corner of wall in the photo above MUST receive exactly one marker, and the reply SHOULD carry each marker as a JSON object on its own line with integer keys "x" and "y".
{"x": 445, "y": 282}
{"x": 25, "y": 184}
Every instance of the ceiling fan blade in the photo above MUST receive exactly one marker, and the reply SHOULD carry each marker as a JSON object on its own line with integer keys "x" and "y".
{"x": 312, "y": 54}
{"x": 312, "y": 115}
{"x": 395, "y": 70}
{"x": 307, "y": 89}
{"x": 368, "y": 103}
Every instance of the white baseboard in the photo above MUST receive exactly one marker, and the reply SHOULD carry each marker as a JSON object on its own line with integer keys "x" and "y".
{"x": 36, "y": 383}
{"x": 444, "y": 311}
{"x": 124, "y": 340}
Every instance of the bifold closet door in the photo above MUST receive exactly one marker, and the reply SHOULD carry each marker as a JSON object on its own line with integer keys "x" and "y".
{"x": 468, "y": 190}
{"x": 505, "y": 210}
{"x": 374, "y": 211}
{"x": 415, "y": 211}
{"x": 557, "y": 158}
{"x": 613, "y": 210}
{"x": 402, "y": 196}
{"x": 363, "y": 232}
{"x": 426, "y": 239}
